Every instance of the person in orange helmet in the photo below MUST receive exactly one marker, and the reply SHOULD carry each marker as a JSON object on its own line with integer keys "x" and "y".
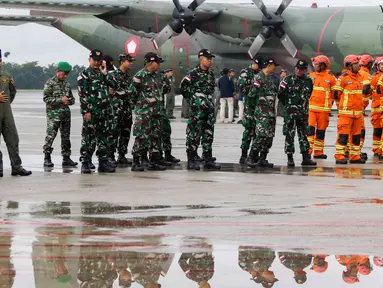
{"x": 349, "y": 276}
{"x": 366, "y": 61}
{"x": 349, "y": 90}
{"x": 320, "y": 104}
{"x": 376, "y": 111}
{"x": 320, "y": 264}
{"x": 364, "y": 265}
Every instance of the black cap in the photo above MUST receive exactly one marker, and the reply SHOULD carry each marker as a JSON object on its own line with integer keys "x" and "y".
{"x": 168, "y": 70}
{"x": 205, "y": 53}
{"x": 231, "y": 70}
{"x": 269, "y": 61}
{"x": 258, "y": 60}
{"x": 225, "y": 71}
{"x": 96, "y": 54}
{"x": 128, "y": 57}
{"x": 301, "y": 64}
{"x": 107, "y": 58}
{"x": 153, "y": 57}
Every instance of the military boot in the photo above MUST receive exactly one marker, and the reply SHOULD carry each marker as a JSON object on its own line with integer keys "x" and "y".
{"x": 290, "y": 160}
{"x": 242, "y": 160}
{"x": 359, "y": 161}
{"x": 322, "y": 156}
{"x": 48, "y": 160}
{"x": 21, "y": 172}
{"x": 170, "y": 158}
{"x": 104, "y": 167}
{"x": 162, "y": 161}
{"x": 197, "y": 158}
{"x": 203, "y": 158}
{"x": 112, "y": 161}
{"x": 306, "y": 161}
{"x": 252, "y": 160}
{"x": 341, "y": 161}
{"x": 154, "y": 164}
{"x": 192, "y": 164}
{"x": 123, "y": 161}
{"x": 364, "y": 156}
{"x": 144, "y": 159}
{"x": 263, "y": 162}
{"x": 91, "y": 166}
{"x": 209, "y": 162}
{"x": 136, "y": 165}
{"x": 85, "y": 168}
{"x": 68, "y": 162}
{"x": 1, "y": 172}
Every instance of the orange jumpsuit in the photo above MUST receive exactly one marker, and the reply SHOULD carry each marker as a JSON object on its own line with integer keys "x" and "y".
{"x": 366, "y": 98}
{"x": 351, "y": 262}
{"x": 320, "y": 104}
{"x": 350, "y": 111}
{"x": 376, "y": 113}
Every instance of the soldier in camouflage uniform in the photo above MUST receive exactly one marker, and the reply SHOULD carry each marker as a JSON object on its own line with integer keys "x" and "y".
{"x": 167, "y": 129}
{"x": 294, "y": 93}
{"x": 257, "y": 261}
{"x": 198, "y": 267}
{"x": 94, "y": 106}
{"x": 197, "y": 87}
{"x": 122, "y": 108}
{"x": 248, "y": 122}
{"x": 147, "y": 93}
{"x": 57, "y": 97}
{"x": 264, "y": 93}
{"x": 296, "y": 262}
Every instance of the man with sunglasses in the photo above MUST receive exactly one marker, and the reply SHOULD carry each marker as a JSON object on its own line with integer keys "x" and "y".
{"x": 58, "y": 97}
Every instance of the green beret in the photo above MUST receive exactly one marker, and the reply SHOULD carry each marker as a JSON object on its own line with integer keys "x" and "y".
{"x": 64, "y": 66}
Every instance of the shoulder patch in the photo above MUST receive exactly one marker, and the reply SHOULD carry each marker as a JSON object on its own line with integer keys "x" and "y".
{"x": 283, "y": 84}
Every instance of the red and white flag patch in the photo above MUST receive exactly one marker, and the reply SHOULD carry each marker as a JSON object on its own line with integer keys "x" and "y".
{"x": 257, "y": 83}
{"x": 283, "y": 84}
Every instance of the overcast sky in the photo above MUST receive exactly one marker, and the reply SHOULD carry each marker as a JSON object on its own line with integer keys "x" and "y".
{"x": 33, "y": 42}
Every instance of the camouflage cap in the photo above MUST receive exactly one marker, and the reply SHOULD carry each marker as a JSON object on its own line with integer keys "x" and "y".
{"x": 127, "y": 57}
{"x": 64, "y": 66}
{"x": 152, "y": 57}
{"x": 301, "y": 64}
{"x": 96, "y": 54}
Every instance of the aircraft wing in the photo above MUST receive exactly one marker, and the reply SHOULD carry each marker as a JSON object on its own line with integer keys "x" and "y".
{"x": 15, "y": 20}
{"x": 68, "y": 6}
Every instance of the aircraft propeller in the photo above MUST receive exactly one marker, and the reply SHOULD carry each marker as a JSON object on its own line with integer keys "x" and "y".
{"x": 183, "y": 19}
{"x": 272, "y": 23}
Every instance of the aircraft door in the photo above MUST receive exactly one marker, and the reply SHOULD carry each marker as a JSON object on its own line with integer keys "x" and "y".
{"x": 180, "y": 61}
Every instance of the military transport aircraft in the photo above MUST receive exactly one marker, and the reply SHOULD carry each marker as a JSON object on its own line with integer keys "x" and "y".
{"x": 231, "y": 31}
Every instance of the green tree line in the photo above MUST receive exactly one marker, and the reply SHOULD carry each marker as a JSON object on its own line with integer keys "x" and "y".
{"x": 30, "y": 75}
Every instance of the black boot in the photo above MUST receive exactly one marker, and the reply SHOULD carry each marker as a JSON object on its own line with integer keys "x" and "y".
{"x": 123, "y": 161}
{"x": 170, "y": 158}
{"x": 47, "y": 160}
{"x": 203, "y": 158}
{"x": 242, "y": 160}
{"x": 21, "y": 172}
{"x": 197, "y": 158}
{"x": 1, "y": 171}
{"x": 104, "y": 167}
{"x": 253, "y": 159}
{"x": 112, "y": 161}
{"x": 154, "y": 164}
{"x": 359, "y": 161}
{"x": 162, "y": 161}
{"x": 306, "y": 161}
{"x": 144, "y": 159}
{"x": 263, "y": 162}
{"x": 91, "y": 165}
{"x": 85, "y": 168}
{"x": 192, "y": 164}
{"x": 364, "y": 156}
{"x": 209, "y": 162}
{"x": 341, "y": 161}
{"x": 68, "y": 162}
{"x": 137, "y": 166}
{"x": 290, "y": 160}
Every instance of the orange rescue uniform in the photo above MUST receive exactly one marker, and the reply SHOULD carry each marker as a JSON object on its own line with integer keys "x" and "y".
{"x": 319, "y": 109}
{"x": 350, "y": 93}
{"x": 366, "y": 98}
{"x": 376, "y": 114}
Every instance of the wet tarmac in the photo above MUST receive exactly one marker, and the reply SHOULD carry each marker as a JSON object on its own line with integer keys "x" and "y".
{"x": 278, "y": 227}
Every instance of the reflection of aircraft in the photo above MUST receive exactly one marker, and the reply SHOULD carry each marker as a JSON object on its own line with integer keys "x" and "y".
{"x": 230, "y": 30}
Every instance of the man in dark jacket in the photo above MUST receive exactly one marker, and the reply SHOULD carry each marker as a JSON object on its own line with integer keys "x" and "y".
{"x": 226, "y": 87}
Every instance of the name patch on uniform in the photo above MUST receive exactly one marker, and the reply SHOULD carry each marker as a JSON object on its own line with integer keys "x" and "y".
{"x": 349, "y": 82}
{"x": 4, "y": 80}
{"x": 327, "y": 81}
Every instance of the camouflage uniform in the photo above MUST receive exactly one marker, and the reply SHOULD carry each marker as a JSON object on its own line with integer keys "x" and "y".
{"x": 296, "y": 262}
{"x": 94, "y": 98}
{"x": 264, "y": 93}
{"x": 294, "y": 93}
{"x": 197, "y": 267}
{"x": 147, "y": 92}
{"x": 122, "y": 113}
{"x": 58, "y": 114}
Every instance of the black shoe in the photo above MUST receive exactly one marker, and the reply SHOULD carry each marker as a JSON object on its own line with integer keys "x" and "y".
{"x": 172, "y": 117}
{"x": 342, "y": 161}
{"x": 252, "y": 160}
{"x": 263, "y": 162}
{"x": 323, "y": 156}
{"x": 359, "y": 161}
{"x": 290, "y": 160}
{"x": 306, "y": 161}
{"x": 364, "y": 156}
{"x": 85, "y": 168}
{"x": 104, "y": 167}
{"x": 239, "y": 122}
{"x": 21, "y": 172}
{"x": 156, "y": 161}
{"x": 212, "y": 158}
{"x": 123, "y": 161}
{"x": 192, "y": 164}
{"x": 153, "y": 166}
{"x": 197, "y": 158}
{"x": 170, "y": 158}
{"x": 91, "y": 166}
{"x": 68, "y": 162}
{"x": 48, "y": 160}
{"x": 112, "y": 161}
{"x": 1, "y": 173}
{"x": 209, "y": 162}
{"x": 144, "y": 159}
{"x": 243, "y": 158}
{"x": 137, "y": 166}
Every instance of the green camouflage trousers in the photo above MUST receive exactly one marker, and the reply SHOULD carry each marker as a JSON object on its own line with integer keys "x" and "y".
{"x": 122, "y": 126}
{"x": 148, "y": 132}
{"x": 248, "y": 123}
{"x": 166, "y": 133}
{"x": 264, "y": 131}
{"x": 54, "y": 123}
{"x": 95, "y": 132}
{"x": 200, "y": 125}
{"x": 291, "y": 122}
